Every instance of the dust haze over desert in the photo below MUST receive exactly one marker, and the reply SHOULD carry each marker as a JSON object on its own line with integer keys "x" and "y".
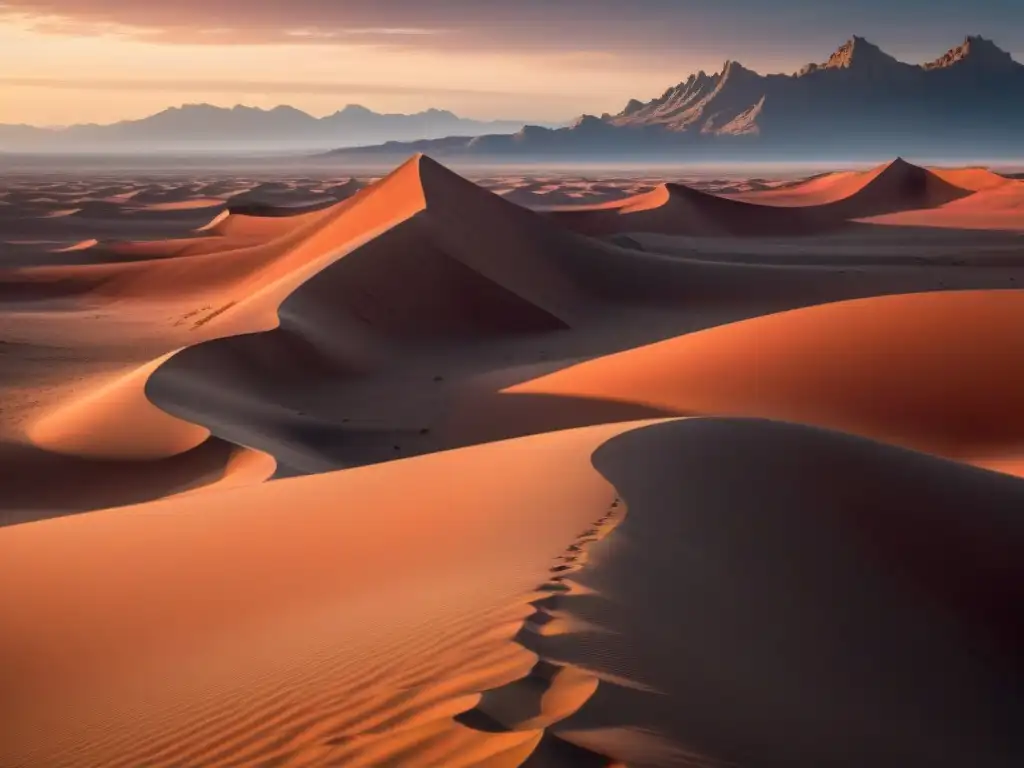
{"x": 389, "y": 415}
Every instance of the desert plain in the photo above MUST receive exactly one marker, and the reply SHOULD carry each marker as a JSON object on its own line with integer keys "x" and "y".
{"x": 428, "y": 469}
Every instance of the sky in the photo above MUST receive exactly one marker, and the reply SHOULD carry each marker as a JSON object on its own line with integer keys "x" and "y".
{"x": 78, "y": 61}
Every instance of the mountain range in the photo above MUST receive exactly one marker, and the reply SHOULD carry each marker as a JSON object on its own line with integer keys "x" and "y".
{"x": 860, "y": 101}
{"x": 207, "y": 127}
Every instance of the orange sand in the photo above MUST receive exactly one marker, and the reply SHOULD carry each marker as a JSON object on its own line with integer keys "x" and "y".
{"x": 306, "y": 472}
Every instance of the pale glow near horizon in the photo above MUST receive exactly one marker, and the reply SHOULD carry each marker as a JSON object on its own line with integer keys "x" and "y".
{"x": 86, "y": 70}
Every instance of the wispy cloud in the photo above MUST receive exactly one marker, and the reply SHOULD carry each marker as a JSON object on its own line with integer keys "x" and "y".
{"x": 751, "y": 30}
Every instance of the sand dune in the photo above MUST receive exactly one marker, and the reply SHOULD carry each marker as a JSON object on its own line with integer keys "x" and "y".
{"x": 682, "y": 210}
{"x": 895, "y": 185}
{"x": 376, "y": 322}
{"x": 185, "y": 205}
{"x": 940, "y": 372}
{"x": 993, "y": 207}
{"x": 90, "y": 484}
{"x": 117, "y": 421}
{"x": 490, "y": 539}
{"x": 741, "y": 650}
{"x": 367, "y": 240}
{"x": 822, "y": 204}
{"x": 973, "y": 179}
{"x": 494, "y": 543}
{"x": 80, "y": 246}
{"x": 395, "y": 686}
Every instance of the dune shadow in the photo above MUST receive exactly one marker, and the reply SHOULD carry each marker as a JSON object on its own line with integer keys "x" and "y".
{"x": 804, "y": 598}
{"x": 38, "y": 484}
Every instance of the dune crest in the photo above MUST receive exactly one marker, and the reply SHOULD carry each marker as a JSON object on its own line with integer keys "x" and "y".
{"x": 403, "y": 473}
{"x": 476, "y": 589}
{"x": 820, "y": 205}
{"x": 360, "y": 236}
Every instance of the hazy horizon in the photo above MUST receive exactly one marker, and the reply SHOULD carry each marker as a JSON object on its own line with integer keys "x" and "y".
{"x": 109, "y": 60}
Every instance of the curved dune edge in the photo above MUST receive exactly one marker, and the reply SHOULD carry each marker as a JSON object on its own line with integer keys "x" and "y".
{"x": 835, "y": 187}
{"x": 200, "y": 203}
{"x": 84, "y": 245}
{"x": 974, "y": 179}
{"x": 286, "y": 262}
{"x": 244, "y": 466}
{"x": 809, "y": 598}
{"x": 291, "y": 260}
{"x": 993, "y": 207}
{"x": 938, "y": 372}
{"x": 118, "y": 421}
{"x": 423, "y": 659}
{"x": 356, "y": 628}
{"x": 820, "y": 205}
{"x": 214, "y": 222}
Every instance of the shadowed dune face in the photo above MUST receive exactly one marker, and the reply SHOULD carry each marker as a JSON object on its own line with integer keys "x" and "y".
{"x": 901, "y": 652}
{"x": 992, "y": 207}
{"x": 99, "y": 483}
{"x": 490, "y": 539}
{"x": 318, "y": 288}
{"x": 842, "y": 585}
{"x": 473, "y": 261}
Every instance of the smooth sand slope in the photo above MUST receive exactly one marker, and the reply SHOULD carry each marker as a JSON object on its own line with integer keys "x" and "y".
{"x": 344, "y": 618}
{"x": 995, "y": 206}
{"x": 364, "y": 243}
{"x": 506, "y": 548}
{"x": 898, "y": 184}
{"x": 488, "y": 273}
{"x": 940, "y": 372}
{"x": 476, "y": 267}
{"x": 328, "y": 620}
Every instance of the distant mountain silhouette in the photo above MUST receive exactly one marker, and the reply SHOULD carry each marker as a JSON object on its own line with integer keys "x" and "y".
{"x": 860, "y": 100}
{"x": 203, "y": 126}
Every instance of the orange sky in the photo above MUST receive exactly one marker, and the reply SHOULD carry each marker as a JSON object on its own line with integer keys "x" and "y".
{"x": 73, "y": 61}
{"x": 55, "y": 79}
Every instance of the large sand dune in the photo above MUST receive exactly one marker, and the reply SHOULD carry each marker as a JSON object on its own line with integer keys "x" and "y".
{"x": 823, "y": 204}
{"x": 941, "y": 372}
{"x": 399, "y": 472}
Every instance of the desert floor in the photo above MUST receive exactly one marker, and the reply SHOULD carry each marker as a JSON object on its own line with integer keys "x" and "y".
{"x": 543, "y": 470}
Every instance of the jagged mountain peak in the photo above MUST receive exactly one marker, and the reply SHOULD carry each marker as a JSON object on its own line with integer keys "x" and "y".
{"x": 586, "y": 121}
{"x": 976, "y": 50}
{"x": 634, "y": 105}
{"x": 855, "y": 53}
{"x": 731, "y": 67}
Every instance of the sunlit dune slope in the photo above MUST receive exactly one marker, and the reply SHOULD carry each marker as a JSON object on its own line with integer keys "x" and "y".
{"x": 821, "y": 205}
{"x": 825, "y": 580}
{"x": 996, "y": 206}
{"x": 357, "y": 612}
{"x": 807, "y": 574}
{"x": 258, "y": 305}
{"x": 422, "y": 222}
{"x": 941, "y": 372}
